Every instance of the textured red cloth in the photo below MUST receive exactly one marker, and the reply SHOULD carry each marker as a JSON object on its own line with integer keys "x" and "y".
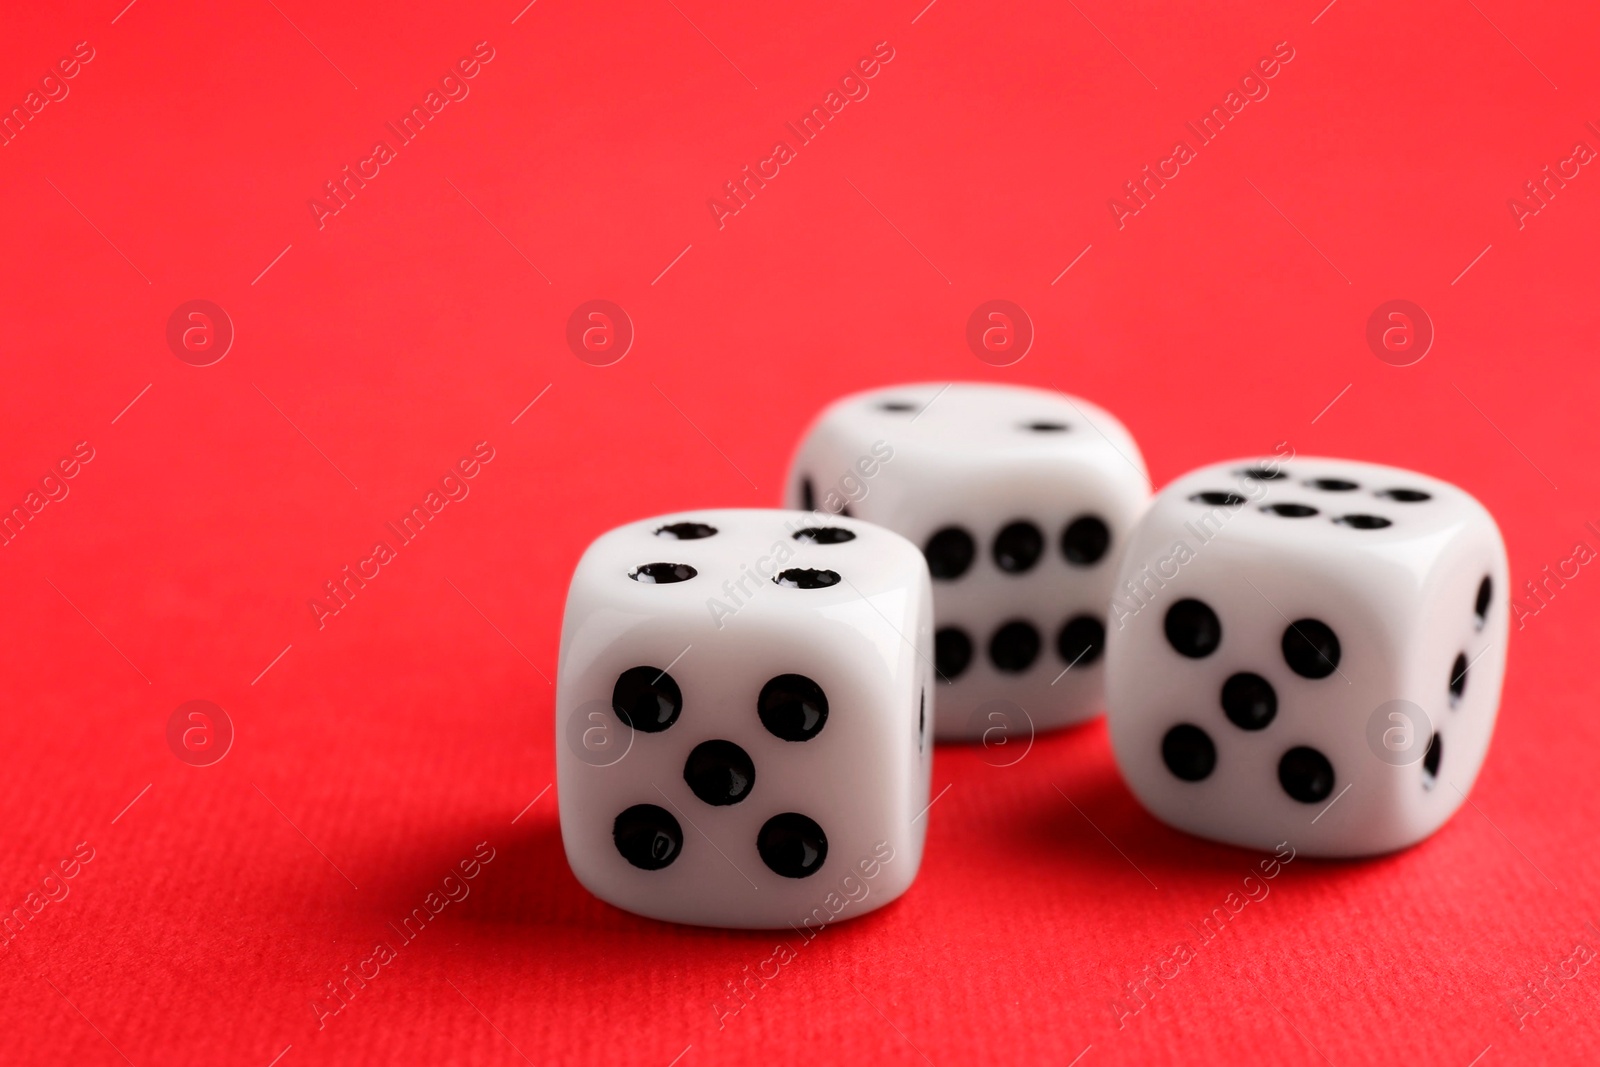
{"x": 381, "y": 336}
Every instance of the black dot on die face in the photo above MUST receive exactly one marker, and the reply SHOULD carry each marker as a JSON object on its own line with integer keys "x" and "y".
{"x": 662, "y": 573}
{"x": 1047, "y": 427}
{"x": 1193, "y": 629}
{"x": 922, "y": 721}
{"x": 1263, "y": 474}
{"x": 1218, "y": 498}
{"x": 1311, "y": 648}
{"x": 1435, "y": 754}
{"x": 1188, "y": 752}
{"x": 792, "y": 845}
{"x": 647, "y": 836}
{"x": 952, "y": 652}
{"x": 1363, "y": 522}
{"x": 806, "y": 578}
{"x": 793, "y": 707}
{"x": 808, "y": 495}
{"x": 1406, "y": 496}
{"x": 824, "y": 535}
{"x": 1305, "y": 774}
{"x": 1458, "y": 677}
{"x": 1290, "y": 511}
{"x": 1081, "y": 641}
{"x": 686, "y": 531}
{"x": 719, "y": 772}
{"x": 1014, "y": 647}
{"x": 949, "y": 552}
{"x": 898, "y": 407}
{"x": 1018, "y": 547}
{"x": 1249, "y": 701}
{"x": 1485, "y": 596}
{"x": 647, "y": 699}
{"x": 1085, "y": 540}
{"x": 1333, "y": 485}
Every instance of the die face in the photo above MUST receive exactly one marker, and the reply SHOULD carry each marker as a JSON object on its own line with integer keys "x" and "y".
{"x": 1280, "y": 676}
{"x": 736, "y": 752}
{"x": 1021, "y": 500}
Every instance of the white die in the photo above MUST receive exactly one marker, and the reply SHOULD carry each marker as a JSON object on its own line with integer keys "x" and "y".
{"x": 769, "y": 764}
{"x": 1021, "y": 499}
{"x": 1232, "y": 714}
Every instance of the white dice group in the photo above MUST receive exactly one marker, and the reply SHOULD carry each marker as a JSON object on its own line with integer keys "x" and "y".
{"x": 1287, "y": 648}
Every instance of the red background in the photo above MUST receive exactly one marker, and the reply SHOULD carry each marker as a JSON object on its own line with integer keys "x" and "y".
{"x": 1222, "y": 319}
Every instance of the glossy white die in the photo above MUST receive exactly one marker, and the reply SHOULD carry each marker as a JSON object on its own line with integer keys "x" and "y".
{"x": 1022, "y": 500}
{"x": 744, "y": 717}
{"x": 1307, "y": 650}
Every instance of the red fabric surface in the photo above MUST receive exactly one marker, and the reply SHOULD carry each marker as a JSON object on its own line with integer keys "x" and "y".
{"x": 373, "y": 753}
